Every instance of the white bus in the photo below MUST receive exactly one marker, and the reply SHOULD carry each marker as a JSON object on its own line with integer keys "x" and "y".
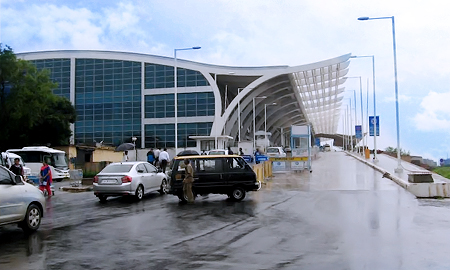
{"x": 34, "y": 155}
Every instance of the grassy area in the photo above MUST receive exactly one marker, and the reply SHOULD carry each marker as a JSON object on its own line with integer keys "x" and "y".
{"x": 444, "y": 171}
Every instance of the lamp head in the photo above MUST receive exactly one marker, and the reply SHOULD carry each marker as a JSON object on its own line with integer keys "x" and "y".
{"x": 196, "y": 48}
{"x": 363, "y": 18}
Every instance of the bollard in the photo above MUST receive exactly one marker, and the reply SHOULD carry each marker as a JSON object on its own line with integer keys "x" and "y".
{"x": 367, "y": 153}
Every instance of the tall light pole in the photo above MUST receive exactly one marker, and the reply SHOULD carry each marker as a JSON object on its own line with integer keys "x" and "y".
{"x": 265, "y": 124}
{"x": 254, "y": 120}
{"x": 362, "y": 114}
{"x": 399, "y": 168}
{"x": 375, "y": 159}
{"x": 176, "y": 91}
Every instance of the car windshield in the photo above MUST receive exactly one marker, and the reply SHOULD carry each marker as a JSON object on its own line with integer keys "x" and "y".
{"x": 117, "y": 168}
{"x": 59, "y": 160}
{"x": 272, "y": 150}
{"x": 217, "y": 152}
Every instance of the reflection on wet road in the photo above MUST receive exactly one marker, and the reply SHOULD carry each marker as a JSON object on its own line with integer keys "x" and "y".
{"x": 344, "y": 215}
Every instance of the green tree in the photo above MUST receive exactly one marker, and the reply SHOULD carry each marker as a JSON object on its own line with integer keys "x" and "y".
{"x": 30, "y": 113}
{"x": 394, "y": 150}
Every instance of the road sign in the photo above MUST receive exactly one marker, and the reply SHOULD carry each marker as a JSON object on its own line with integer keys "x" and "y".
{"x": 317, "y": 141}
{"x": 358, "y": 132}
{"x": 260, "y": 158}
{"x": 374, "y": 122}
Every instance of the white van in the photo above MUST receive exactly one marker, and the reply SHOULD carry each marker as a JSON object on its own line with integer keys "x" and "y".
{"x": 8, "y": 161}
{"x": 34, "y": 155}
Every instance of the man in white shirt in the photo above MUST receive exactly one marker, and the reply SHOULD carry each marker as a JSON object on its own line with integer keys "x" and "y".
{"x": 156, "y": 152}
{"x": 163, "y": 159}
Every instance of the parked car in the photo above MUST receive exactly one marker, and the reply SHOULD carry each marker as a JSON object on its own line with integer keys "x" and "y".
{"x": 218, "y": 152}
{"x": 220, "y": 174}
{"x": 275, "y": 152}
{"x": 129, "y": 179}
{"x": 20, "y": 202}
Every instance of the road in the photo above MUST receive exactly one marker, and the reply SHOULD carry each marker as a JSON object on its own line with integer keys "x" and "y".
{"x": 343, "y": 215}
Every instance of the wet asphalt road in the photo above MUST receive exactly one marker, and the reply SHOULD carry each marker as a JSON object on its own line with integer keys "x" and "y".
{"x": 344, "y": 215}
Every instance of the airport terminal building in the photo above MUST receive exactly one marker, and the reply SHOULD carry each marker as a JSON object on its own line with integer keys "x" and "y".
{"x": 120, "y": 95}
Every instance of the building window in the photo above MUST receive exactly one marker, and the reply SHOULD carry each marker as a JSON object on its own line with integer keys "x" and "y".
{"x": 163, "y": 135}
{"x": 161, "y": 76}
{"x": 159, "y": 106}
{"x": 189, "y": 105}
{"x": 59, "y": 73}
{"x": 107, "y": 101}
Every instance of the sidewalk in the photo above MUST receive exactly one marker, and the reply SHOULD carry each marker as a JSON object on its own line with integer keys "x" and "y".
{"x": 387, "y": 165}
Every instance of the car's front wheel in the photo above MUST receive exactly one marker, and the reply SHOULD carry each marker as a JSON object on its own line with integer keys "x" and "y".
{"x": 32, "y": 219}
{"x": 139, "y": 193}
{"x": 237, "y": 194}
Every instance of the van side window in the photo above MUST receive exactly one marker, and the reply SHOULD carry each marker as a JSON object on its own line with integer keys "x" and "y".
{"x": 209, "y": 165}
{"x": 236, "y": 163}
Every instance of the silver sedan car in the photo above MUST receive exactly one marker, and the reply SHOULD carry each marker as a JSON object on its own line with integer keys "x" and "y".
{"x": 129, "y": 178}
{"x": 20, "y": 202}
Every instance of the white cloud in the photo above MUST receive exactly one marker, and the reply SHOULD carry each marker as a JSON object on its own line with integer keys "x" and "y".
{"x": 435, "y": 113}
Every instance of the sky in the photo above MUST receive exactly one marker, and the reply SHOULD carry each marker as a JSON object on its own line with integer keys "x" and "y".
{"x": 273, "y": 32}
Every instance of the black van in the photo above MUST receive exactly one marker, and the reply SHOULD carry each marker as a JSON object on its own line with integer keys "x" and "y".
{"x": 220, "y": 174}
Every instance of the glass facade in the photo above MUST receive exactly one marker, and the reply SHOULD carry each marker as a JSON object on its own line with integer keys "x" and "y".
{"x": 189, "y": 105}
{"x": 59, "y": 73}
{"x": 107, "y": 101}
{"x": 163, "y": 135}
{"x": 160, "y": 76}
{"x": 159, "y": 106}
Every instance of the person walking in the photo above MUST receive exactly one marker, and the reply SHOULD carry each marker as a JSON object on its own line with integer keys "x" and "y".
{"x": 230, "y": 152}
{"x": 156, "y": 152}
{"x": 241, "y": 153}
{"x": 16, "y": 168}
{"x": 163, "y": 159}
{"x": 125, "y": 156}
{"x": 46, "y": 178}
{"x": 187, "y": 182}
{"x": 151, "y": 156}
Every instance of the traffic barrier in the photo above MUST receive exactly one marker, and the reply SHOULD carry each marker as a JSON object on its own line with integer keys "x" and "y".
{"x": 263, "y": 170}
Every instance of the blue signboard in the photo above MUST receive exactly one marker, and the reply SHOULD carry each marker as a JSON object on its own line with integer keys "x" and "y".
{"x": 317, "y": 141}
{"x": 259, "y": 158}
{"x": 374, "y": 123}
{"x": 358, "y": 132}
{"x": 247, "y": 158}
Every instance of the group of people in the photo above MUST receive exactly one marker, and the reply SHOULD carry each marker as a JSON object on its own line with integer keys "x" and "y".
{"x": 45, "y": 178}
{"x": 158, "y": 157}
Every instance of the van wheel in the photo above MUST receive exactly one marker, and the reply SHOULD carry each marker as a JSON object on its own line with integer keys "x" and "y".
{"x": 238, "y": 194}
{"x": 32, "y": 219}
{"x": 182, "y": 198}
{"x": 139, "y": 193}
{"x": 163, "y": 188}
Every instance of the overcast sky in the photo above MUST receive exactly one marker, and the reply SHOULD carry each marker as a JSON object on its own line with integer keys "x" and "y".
{"x": 278, "y": 32}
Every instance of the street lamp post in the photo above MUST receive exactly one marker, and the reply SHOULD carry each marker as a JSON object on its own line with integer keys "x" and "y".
{"x": 375, "y": 159}
{"x": 254, "y": 124}
{"x": 265, "y": 124}
{"x": 176, "y": 91}
{"x": 399, "y": 168}
{"x": 134, "y": 139}
{"x": 362, "y": 114}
